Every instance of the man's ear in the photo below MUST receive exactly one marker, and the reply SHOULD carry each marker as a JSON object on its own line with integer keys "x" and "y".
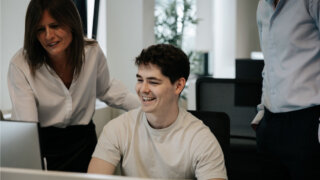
{"x": 179, "y": 85}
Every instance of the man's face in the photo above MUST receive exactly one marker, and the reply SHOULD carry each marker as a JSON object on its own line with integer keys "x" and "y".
{"x": 155, "y": 90}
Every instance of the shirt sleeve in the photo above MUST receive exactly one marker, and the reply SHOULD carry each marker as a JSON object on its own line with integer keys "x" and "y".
{"x": 22, "y": 97}
{"x": 259, "y": 115}
{"x": 260, "y": 107}
{"x": 208, "y": 160}
{"x": 112, "y": 91}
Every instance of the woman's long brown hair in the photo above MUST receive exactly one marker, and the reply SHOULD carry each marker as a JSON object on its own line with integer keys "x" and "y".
{"x": 65, "y": 13}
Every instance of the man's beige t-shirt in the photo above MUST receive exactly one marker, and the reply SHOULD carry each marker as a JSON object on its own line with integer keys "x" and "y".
{"x": 186, "y": 149}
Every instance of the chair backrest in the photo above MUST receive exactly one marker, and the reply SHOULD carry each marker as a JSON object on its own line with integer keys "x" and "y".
{"x": 219, "y": 124}
{"x": 219, "y": 95}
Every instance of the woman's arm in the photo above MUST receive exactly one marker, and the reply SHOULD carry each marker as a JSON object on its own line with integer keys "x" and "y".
{"x": 22, "y": 97}
{"x": 112, "y": 91}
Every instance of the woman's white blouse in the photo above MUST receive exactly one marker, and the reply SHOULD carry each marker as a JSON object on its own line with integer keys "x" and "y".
{"x": 44, "y": 98}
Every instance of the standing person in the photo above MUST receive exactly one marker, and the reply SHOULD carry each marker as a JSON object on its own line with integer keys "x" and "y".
{"x": 55, "y": 80}
{"x": 159, "y": 140}
{"x": 287, "y": 136}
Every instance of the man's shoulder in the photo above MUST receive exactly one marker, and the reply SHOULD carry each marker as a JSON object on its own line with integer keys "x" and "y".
{"x": 191, "y": 120}
{"x": 126, "y": 119}
{"x": 195, "y": 128}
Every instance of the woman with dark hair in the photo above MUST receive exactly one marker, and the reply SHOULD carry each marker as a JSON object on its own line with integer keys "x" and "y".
{"x": 55, "y": 80}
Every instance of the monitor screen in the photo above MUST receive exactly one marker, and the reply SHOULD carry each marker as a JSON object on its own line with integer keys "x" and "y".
{"x": 20, "y": 146}
{"x": 250, "y": 70}
{"x": 248, "y": 86}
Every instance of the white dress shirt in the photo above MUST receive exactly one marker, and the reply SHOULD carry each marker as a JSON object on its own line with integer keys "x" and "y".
{"x": 290, "y": 41}
{"x": 44, "y": 98}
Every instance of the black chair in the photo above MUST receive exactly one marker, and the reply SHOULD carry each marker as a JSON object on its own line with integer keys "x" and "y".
{"x": 219, "y": 124}
{"x": 220, "y": 95}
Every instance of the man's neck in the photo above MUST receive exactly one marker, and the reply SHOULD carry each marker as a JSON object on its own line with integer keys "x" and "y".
{"x": 162, "y": 119}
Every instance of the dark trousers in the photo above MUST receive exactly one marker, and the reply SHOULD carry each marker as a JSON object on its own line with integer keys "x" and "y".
{"x": 68, "y": 149}
{"x": 288, "y": 145}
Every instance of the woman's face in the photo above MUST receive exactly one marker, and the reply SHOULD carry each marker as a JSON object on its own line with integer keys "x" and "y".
{"x": 55, "y": 38}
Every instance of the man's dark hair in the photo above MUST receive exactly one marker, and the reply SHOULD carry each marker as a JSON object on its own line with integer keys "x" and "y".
{"x": 172, "y": 61}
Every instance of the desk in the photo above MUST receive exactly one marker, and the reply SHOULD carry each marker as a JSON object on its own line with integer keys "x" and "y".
{"x": 28, "y": 174}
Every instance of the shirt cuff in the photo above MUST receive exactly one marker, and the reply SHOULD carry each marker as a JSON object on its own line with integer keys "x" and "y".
{"x": 258, "y": 117}
{"x": 131, "y": 102}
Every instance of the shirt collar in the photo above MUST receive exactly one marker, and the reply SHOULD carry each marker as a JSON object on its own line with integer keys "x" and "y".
{"x": 271, "y": 1}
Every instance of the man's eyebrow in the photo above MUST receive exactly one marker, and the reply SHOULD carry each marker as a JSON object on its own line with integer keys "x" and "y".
{"x": 153, "y": 79}
{"x": 149, "y": 78}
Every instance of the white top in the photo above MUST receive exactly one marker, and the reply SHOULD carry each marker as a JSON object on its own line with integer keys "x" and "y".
{"x": 291, "y": 47}
{"x": 45, "y": 99}
{"x": 184, "y": 150}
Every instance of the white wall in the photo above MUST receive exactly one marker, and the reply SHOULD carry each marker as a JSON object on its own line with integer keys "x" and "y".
{"x": 102, "y": 26}
{"x": 12, "y": 33}
{"x": 224, "y": 19}
{"x": 1, "y": 61}
{"x": 247, "y": 31}
{"x": 204, "y": 28}
{"x": 128, "y": 31}
{"x": 235, "y": 34}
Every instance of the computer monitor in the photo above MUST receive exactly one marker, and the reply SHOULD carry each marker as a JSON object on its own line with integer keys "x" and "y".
{"x": 30, "y": 174}
{"x": 20, "y": 146}
{"x": 249, "y": 69}
{"x": 248, "y": 82}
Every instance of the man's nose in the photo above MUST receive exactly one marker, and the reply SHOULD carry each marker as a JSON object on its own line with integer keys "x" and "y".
{"x": 145, "y": 87}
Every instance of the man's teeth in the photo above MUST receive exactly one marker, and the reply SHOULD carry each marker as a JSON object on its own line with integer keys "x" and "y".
{"x": 147, "y": 98}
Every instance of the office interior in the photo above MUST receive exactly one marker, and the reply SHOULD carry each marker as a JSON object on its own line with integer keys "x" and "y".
{"x": 227, "y": 32}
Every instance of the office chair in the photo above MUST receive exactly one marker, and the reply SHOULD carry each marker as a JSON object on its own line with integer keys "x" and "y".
{"x": 219, "y": 124}
{"x": 220, "y": 95}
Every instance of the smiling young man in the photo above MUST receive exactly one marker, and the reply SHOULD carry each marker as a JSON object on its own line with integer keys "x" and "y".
{"x": 160, "y": 139}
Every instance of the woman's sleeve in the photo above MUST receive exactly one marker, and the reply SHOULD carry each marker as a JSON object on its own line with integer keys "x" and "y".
{"x": 112, "y": 91}
{"x": 22, "y": 97}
